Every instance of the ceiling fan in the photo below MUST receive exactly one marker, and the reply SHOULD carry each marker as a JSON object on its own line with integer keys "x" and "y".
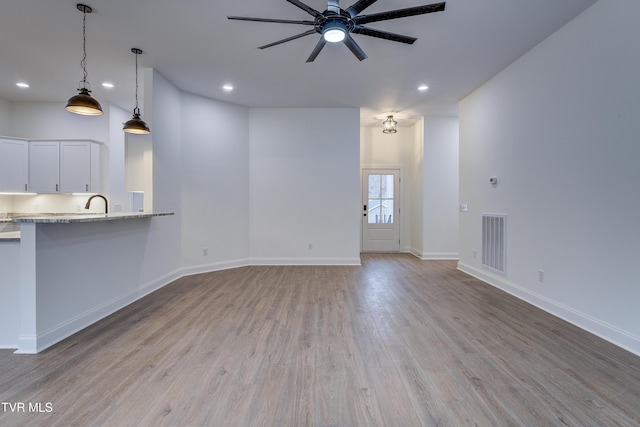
{"x": 336, "y": 24}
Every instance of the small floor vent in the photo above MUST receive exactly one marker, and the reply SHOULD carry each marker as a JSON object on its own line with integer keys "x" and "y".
{"x": 494, "y": 242}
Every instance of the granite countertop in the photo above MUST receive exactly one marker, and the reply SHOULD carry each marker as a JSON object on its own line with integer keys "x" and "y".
{"x": 71, "y": 218}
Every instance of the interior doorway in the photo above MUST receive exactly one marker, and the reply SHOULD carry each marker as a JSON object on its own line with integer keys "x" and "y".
{"x": 381, "y": 210}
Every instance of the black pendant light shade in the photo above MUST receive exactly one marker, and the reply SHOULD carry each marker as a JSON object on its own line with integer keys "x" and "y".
{"x": 389, "y": 125}
{"x": 136, "y": 125}
{"x": 83, "y": 103}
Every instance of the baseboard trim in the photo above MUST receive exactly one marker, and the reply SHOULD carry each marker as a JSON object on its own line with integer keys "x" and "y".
{"x": 216, "y": 266}
{"x": 435, "y": 256}
{"x": 597, "y": 327}
{"x": 305, "y": 261}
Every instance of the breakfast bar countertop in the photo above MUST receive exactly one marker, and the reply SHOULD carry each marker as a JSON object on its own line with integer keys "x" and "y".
{"x": 71, "y": 218}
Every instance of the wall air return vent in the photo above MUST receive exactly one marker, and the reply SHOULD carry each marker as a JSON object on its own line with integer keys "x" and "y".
{"x": 494, "y": 242}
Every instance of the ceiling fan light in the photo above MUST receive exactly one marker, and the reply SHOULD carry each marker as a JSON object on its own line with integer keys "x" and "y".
{"x": 83, "y": 104}
{"x": 334, "y": 33}
{"x": 389, "y": 125}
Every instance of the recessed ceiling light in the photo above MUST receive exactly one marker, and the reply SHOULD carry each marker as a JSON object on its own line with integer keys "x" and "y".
{"x": 108, "y": 85}
{"x": 422, "y": 88}
{"x": 228, "y": 88}
{"x": 22, "y": 85}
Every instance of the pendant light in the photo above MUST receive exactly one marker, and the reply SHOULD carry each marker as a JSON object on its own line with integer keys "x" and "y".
{"x": 389, "y": 125}
{"x": 83, "y": 103}
{"x": 136, "y": 124}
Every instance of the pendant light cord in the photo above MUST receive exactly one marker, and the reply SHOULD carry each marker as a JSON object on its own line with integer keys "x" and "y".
{"x": 136, "y": 110}
{"x": 83, "y": 63}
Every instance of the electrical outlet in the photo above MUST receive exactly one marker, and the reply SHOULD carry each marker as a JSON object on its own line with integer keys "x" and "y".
{"x": 117, "y": 208}
{"x": 540, "y": 276}
{"x": 475, "y": 254}
{"x": 310, "y": 246}
{"x": 205, "y": 251}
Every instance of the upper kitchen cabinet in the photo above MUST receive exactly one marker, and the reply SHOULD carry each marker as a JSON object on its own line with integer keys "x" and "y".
{"x": 64, "y": 167}
{"x": 44, "y": 166}
{"x": 80, "y": 170}
{"x": 14, "y": 166}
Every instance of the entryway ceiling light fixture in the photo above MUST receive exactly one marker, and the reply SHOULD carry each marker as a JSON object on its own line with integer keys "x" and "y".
{"x": 389, "y": 125}
{"x": 83, "y": 103}
{"x": 136, "y": 124}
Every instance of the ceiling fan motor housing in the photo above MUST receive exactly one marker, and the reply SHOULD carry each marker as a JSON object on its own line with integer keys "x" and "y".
{"x": 328, "y": 21}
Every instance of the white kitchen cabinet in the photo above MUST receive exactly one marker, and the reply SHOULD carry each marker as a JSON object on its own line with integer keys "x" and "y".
{"x": 64, "y": 167}
{"x": 44, "y": 166}
{"x": 14, "y": 165}
{"x": 75, "y": 166}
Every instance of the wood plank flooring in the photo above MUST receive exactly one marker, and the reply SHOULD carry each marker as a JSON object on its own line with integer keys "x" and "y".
{"x": 396, "y": 342}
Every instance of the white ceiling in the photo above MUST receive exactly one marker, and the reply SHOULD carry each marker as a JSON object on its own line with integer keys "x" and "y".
{"x": 193, "y": 45}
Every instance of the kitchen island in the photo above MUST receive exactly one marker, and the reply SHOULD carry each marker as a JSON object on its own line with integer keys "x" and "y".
{"x": 73, "y": 271}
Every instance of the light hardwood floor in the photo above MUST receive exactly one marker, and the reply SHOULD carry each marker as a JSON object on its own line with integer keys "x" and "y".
{"x": 396, "y": 342}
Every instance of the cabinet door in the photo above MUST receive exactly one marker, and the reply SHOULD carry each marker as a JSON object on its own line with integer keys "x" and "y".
{"x": 44, "y": 166}
{"x": 14, "y": 166}
{"x": 75, "y": 166}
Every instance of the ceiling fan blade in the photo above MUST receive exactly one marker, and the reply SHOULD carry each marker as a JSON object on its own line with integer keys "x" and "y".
{"x": 383, "y": 35}
{"x": 354, "y": 48}
{"x": 306, "y": 8}
{"x": 399, "y": 13}
{"x": 333, "y": 6}
{"x": 359, "y": 6}
{"x": 288, "y": 39}
{"x": 317, "y": 49}
{"x": 279, "y": 21}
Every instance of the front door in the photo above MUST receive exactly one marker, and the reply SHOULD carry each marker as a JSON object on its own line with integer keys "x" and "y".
{"x": 381, "y": 210}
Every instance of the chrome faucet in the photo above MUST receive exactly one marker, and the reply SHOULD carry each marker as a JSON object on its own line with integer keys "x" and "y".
{"x": 106, "y": 204}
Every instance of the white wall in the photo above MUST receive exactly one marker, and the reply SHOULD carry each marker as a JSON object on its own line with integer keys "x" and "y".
{"x": 416, "y": 241}
{"x": 304, "y": 185}
{"x": 440, "y": 188}
{"x": 559, "y": 128}
{"x": 5, "y": 117}
{"x": 164, "y": 117}
{"x": 113, "y": 161}
{"x": 49, "y": 120}
{"x": 215, "y": 183}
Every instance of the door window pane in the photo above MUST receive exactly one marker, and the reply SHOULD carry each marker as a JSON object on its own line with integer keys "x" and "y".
{"x": 381, "y": 197}
{"x": 386, "y": 186}
{"x": 374, "y": 212}
{"x": 374, "y": 186}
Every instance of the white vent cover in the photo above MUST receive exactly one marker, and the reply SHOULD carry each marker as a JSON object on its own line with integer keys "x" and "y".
{"x": 494, "y": 242}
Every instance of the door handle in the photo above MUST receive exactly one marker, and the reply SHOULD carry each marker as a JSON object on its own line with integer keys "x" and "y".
{"x": 365, "y": 210}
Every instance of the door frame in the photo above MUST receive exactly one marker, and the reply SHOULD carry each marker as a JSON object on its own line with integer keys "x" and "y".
{"x": 398, "y": 198}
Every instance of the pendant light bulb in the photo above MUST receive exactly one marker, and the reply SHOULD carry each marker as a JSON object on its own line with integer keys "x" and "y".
{"x": 136, "y": 125}
{"x": 83, "y": 103}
